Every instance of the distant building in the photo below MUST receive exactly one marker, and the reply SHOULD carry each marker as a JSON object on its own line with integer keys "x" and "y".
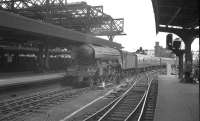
{"x": 162, "y": 52}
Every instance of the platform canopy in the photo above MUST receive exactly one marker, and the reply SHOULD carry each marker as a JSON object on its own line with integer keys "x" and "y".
{"x": 16, "y": 28}
{"x": 178, "y": 14}
{"x": 180, "y": 17}
{"x": 78, "y": 16}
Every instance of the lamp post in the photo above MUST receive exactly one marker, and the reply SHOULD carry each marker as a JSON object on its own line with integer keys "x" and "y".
{"x": 175, "y": 46}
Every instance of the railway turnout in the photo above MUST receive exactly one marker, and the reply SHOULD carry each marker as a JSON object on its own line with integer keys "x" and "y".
{"x": 132, "y": 104}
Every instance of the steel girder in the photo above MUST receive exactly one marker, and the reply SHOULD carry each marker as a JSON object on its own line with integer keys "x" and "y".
{"x": 76, "y": 16}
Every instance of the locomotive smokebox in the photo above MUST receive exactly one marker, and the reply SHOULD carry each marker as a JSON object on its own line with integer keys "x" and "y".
{"x": 83, "y": 54}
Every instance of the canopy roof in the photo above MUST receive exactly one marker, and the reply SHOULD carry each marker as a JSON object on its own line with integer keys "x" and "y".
{"x": 16, "y": 28}
{"x": 178, "y": 13}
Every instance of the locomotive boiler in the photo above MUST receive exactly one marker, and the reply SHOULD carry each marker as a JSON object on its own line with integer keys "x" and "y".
{"x": 93, "y": 61}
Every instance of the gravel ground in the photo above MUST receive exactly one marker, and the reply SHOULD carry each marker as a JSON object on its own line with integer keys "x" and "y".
{"x": 56, "y": 113}
{"x": 96, "y": 106}
{"x": 15, "y": 93}
{"x": 66, "y": 109}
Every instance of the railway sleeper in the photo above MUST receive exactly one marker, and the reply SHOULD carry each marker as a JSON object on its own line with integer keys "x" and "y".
{"x": 138, "y": 92}
{"x": 121, "y": 113}
{"x": 124, "y": 109}
{"x": 132, "y": 100}
{"x": 129, "y": 102}
{"x": 115, "y": 118}
{"x": 148, "y": 116}
{"x": 127, "y": 105}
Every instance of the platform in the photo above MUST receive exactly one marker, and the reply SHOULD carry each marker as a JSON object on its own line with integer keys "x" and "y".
{"x": 16, "y": 79}
{"x": 176, "y": 101}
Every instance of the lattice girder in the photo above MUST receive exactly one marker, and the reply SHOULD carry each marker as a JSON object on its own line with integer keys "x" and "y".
{"x": 78, "y": 16}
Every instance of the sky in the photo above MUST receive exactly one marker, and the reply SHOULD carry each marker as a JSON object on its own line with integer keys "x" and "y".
{"x": 139, "y": 23}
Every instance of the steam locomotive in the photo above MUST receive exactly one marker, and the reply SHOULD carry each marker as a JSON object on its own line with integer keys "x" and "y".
{"x": 93, "y": 61}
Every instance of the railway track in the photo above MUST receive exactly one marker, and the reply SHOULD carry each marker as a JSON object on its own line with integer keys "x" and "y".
{"x": 103, "y": 110}
{"x": 106, "y": 103}
{"x": 130, "y": 106}
{"x": 13, "y": 108}
{"x": 148, "y": 110}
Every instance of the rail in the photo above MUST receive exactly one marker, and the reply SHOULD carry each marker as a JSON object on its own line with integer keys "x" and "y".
{"x": 107, "y": 107}
{"x": 127, "y": 104}
{"x": 11, "y": 108}
{"x": 138, "y": 111}
{"x": 119, "y": 109}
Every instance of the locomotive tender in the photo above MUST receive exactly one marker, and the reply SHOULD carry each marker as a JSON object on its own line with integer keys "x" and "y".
{"x": 91, "y": 61}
